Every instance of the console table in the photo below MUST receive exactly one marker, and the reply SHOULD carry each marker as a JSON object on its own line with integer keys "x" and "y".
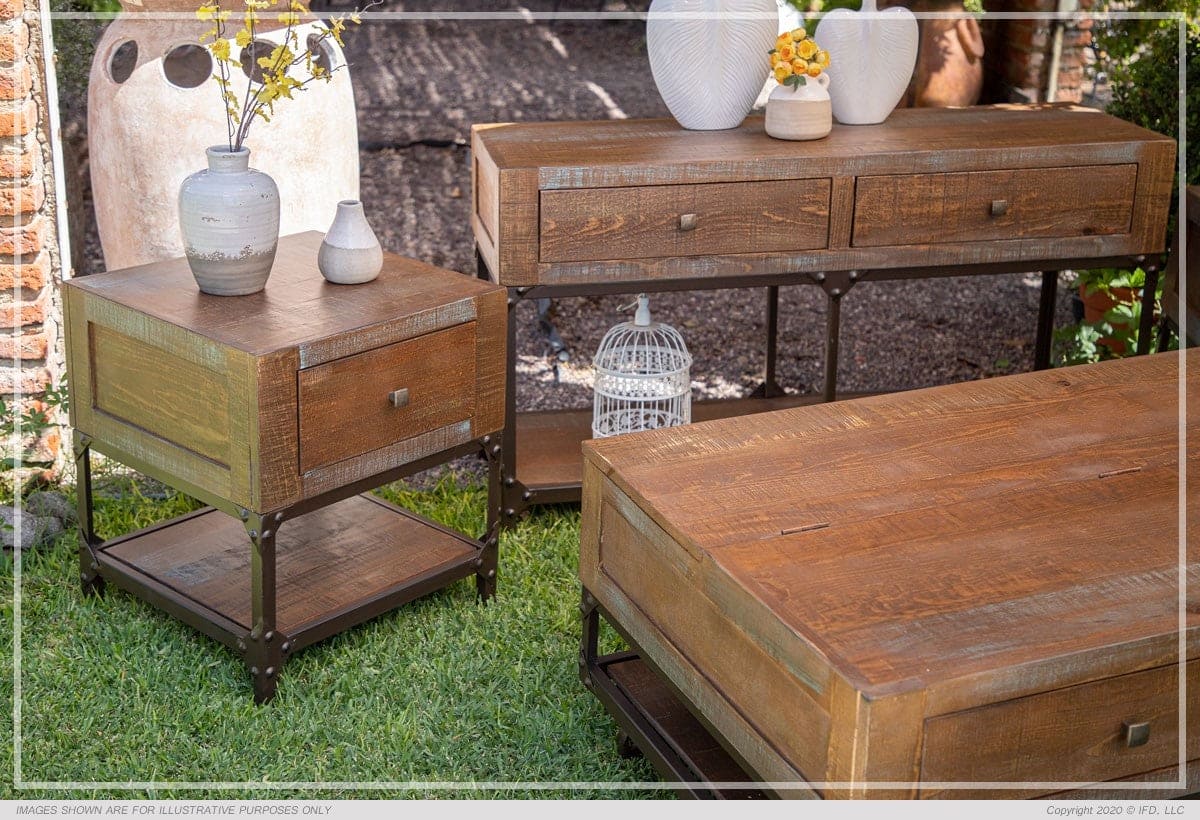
{"x": 963, "y": 591}
{"x": 583, "y": 208}
{"x": 278, "y": 409}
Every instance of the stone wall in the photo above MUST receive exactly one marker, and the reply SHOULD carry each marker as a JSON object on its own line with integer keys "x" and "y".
{"x": 1018, "y": 59}
{"x": 31, "y": 350}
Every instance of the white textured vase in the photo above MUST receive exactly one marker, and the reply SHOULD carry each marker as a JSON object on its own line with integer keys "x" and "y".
{"x": 800, "y": 112}
{"x": 229, "y": 217}
{"x": 709, "y": 57}
{"x": 873, "y": 53}
{"x": 350, "y": 254}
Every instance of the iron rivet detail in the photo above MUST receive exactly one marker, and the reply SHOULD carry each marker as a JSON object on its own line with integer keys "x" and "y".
{"x": 254, "y": 533}
{"x": 244, "y": 514}
{"x": 853, "y": 275}
{"x": 491, "y": 573}
{"x": 495, "y": 449}
{"x": 94, "y": 566}
{"x": 270, "y": 673}
{"x": 287, "y": 647}
{"x": 820, "y": 277}
{"x": 270, "y": 636}
{"x": 241, "y": 645}
{"x": 83, "y": 576}
{"x": 835, "y": 292}
{"x": 479, "y": 561}
{"x": 510, "y": 512}
{"x": 528, "y": 494}
{"x": 267, "y": 533}
{"x": 510, "y": 481}
{"x": 486, "y": 439}
{"x": 253, "y": 670}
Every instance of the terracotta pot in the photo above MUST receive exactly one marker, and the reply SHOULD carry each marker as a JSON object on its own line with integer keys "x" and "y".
{"x": 1099, "y": 302}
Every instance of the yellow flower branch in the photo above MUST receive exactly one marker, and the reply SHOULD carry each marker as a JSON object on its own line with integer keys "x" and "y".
{"x": 796, "y": 57}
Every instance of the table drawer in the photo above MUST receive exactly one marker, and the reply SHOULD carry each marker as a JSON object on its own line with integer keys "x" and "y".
{"x": 1034, "y": 203}
{"x": 345, "y": 405}
{"x": 1077, "y": 734}
{"x": 684, "y": 220}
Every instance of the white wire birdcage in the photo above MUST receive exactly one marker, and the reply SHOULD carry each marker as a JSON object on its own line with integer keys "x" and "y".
{"x": 643, "y": 377}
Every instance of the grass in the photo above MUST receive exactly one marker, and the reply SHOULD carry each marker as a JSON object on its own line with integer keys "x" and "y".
{"x": 441, "y": 690}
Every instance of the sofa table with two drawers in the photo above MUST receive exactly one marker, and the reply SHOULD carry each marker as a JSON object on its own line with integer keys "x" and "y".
{"x": 278, "y": 409}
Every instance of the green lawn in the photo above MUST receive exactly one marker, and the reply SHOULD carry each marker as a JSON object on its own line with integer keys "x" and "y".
{"x": 441, "y": 690}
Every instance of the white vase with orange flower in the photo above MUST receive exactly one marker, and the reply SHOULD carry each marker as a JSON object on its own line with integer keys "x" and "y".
{"x": 799, "y": 108}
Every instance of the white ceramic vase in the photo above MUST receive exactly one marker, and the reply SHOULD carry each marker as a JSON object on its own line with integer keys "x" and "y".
{"x": 800, "y": 112}
{"x": 873, "y": 54}
{"x": 229, "y": 217}
{"x": 710, "y": 67}
{"x": 350, "y": 254}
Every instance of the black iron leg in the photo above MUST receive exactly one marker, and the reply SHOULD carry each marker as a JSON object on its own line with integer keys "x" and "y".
{"x": 264, "y": 654}
{"x": 1146, "y": 325}
{"x": 89, "y": 567}
{"x": 770, "y": 386}
{"x": 589, "y": 637}
{"x": 485, "y": 575}
{"x": 833, "y": 322}
{"x": 515, "y": 497}
{"x": 1045, "y": 322}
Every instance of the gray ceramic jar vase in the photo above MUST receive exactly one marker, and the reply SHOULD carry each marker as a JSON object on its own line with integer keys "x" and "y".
{"x": 229, "y": 216}
{"x": 350, "y": 254}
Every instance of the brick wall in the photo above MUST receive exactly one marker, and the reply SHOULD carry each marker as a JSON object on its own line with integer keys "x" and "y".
{"x": 31, "y": 354}
{"x": 1018, "y": 54}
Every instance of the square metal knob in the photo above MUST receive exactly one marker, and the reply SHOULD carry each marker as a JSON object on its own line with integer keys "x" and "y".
{"x": 398, "y": 398}
{"x": 999, "y": 207}
{"x": 687, "y": 222}
{"x": 1136, "y": 734}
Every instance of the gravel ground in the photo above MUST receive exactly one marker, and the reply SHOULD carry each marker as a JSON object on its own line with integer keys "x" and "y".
{"x": 420, "y": 84}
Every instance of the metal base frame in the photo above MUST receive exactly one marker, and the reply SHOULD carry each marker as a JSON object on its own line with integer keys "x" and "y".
{"x": 637, "y": 729}
{"x": 518, "y": 498}
{"x": 263, "y": 648}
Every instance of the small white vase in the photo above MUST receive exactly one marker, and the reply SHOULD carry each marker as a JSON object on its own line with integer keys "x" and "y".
{"x": 229, "y": 218}
{"x": 873, "y": 53}
{"x": 800, "y": 112}
{"x": 350, "y": 254}
{"x": 710, "y": 69}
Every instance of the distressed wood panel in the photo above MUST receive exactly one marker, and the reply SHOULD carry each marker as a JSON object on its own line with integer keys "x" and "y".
{"x": 645, "y": 222}
{"x": 169, "y": 397}
{"x": 344, "y": 406}
{"x": 919, "y": 209}
{"x": 1068, "y": 735}
{"x": 935, "y": 557}
{"x": 491, "y": 357}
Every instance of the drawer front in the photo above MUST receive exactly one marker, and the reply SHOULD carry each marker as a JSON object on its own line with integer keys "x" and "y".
{"x": 346, "y": 407}
{"x": 926, "y": 209}
{"x": 684, "y": 220}
{"x": 1075, "y": 734}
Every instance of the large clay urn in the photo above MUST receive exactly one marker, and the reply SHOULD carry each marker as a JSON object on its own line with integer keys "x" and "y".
{"x": 153, "y": 110}
{"x": 949, "y": 69}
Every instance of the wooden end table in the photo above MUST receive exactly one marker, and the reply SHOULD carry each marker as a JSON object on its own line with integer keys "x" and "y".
{"x": 278, "y": 409}
{"x": 978, "y": 590}
{"x": 566, "y": 209}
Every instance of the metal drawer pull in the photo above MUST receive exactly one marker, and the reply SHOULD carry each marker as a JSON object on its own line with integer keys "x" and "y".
{"x": 999, "y": 207}
{"x": 687, "y": 222}
{"x": 1136, "y": 734}
{"x": 399, "y": 398}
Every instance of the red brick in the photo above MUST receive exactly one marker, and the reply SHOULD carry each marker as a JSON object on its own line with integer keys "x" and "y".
{"x": 23, "y": 199}
{"x": 25, "y": 240}
{"x": 19, "y": 163}
{"x": 27, "y": 380}
{"x": 19, "y": 314}
{"x": 14, "y": 41}
{"x": 11, "y": 8}
{"x": 19, "y": 120}
{"x": 31, "y": 275}
{"x": 27, "y": 346}
{"x": 16, "y": 81}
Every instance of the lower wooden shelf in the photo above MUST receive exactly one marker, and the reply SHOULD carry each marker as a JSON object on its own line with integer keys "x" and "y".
{"x": 549, "y": 462}
{"x": 335, "y": 567}
{"x": 662, "y": 728}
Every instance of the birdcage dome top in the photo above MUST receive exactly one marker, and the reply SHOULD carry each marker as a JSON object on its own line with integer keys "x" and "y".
{"x": 642, "y": 347}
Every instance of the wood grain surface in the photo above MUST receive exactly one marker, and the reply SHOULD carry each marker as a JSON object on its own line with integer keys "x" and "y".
{"x": 616, "y": 225}
{"x": 919, "y": 209}
{"x": 911, "y": 556}
{"x": 329, "y": 561}
{"x": 344, "y": 405}
{"x": 632, "y": 223}
{"x": 205, "y": 390}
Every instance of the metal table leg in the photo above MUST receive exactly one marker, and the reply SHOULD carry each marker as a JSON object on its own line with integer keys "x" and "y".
{"x": 1146, "y": 325}
{"x": 1045, "y": 322}
{"x": 89, "y": 568}
{"x": 263, "y": 653}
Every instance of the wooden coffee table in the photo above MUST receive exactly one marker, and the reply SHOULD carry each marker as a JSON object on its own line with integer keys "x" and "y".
{"x": 971, "y": 590}
{"x": 278, "y": 409}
